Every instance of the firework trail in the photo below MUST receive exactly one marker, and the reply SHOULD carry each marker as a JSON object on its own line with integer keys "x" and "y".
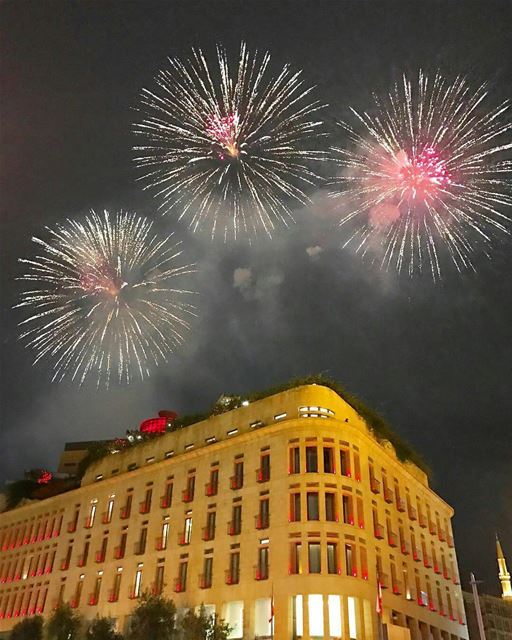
{"x": 101, "y": 298}
{"x": 425, "y": 170}
{"x": 229, "y": 148}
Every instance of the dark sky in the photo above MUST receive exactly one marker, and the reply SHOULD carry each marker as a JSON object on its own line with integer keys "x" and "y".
{"x": 434, "y": 359}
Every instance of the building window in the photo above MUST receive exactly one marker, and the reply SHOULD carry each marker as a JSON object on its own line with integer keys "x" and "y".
{"x": 332, "y": 557}
{"x": 357, "y": 467}
{"x": 140, "y": 546}
{"x": 311, "y": 459}
{"x": 330, "y": 507}
{"x": 209, "y": 530}
{"x": 166, "y": 499}
{"x": 329, "y": 460}
{"x": 295, "y": 513}
{"x": 188, "y": 493}
{"x": 345, "y": 463}
{"x": 263, "y": 517}
{"x": 294, "y": 463}
{"x": 314, "y": 561}
{"x": 181, "y": 580}
{"x": 316, "y": 615}
{"x": 237, "y": 479}
{"x": 187, "y": 530}
{"x": 312, "y": 502}
{"x": 295, "y": 557}
{"x": 262, "y": 567}
{"x": 107, "y": 516}
{"x": 334, "y": 608}
{"x": 364, "y": 563}
{"x": 206, "y": 578}
{"x": 161, "y": 543}
{"x": 95, "y": 595}
{"x": 348, "y": 509}
{"x": 137, "y": 585}
{"x": 350, "y": 560}
{"x": 352, "y": 618}
{"x": 126, "y": 510}
{"x": 213, "y": 485}
{"x": 233, "y": 576}
{"x": 145, "y": 505}
{"x": 263, "y": 473}
{"x": 360, "y": 512}
{"x": 114, "y": 592}
{"x": 235, "y": 526}
{"x": 158, "y": 585}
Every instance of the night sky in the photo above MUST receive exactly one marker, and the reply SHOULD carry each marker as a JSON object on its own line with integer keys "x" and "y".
{"x": 434, "y": 359}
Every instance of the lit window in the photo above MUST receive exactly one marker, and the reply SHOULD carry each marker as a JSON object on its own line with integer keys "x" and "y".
{"x": 280, "y": 416}
{"x": 263, "y": 617}
{"x": 334, "y": 607}
{"x": 352, "y": 617}
{"x": 316, "y": 615}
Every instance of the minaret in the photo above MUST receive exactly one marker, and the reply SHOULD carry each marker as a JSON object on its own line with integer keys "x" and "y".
{"x": 504, "y": 575}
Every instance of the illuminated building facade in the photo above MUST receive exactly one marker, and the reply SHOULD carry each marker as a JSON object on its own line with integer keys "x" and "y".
{"x": 282, "y": 516}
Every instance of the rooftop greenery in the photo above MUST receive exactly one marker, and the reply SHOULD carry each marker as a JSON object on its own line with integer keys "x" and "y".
{"x": 378, "y": 426}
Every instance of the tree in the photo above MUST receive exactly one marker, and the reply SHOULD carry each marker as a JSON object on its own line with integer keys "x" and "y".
{"x": 63, "y": 624}
{"x": 29, "y": 629}
{"x": 153, "y": 619}
{"x": 201, "y": 626}
{"x": 102, "y": 629}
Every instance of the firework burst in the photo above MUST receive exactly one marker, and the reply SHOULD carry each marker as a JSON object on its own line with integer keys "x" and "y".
{"x": 229, "y": 148}
{"x": 425, "y": 170}
{"x": 101, "y": 298}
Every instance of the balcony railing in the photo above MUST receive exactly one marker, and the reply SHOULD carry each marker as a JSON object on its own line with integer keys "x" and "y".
{"x": 400, "y": 504}
{"x": 187, "y": 495}
{"x": 404, "y": 546}
{"x": 416, "y": 554}
{"x": 88, "y": 523}
{"x": 422, "y": 520}
{"x": 113, "y": 595}
{"x": 82, "y": 560}
{"x": 392, "y": 539}
{"x": 119, "y": 552}
{"x": 441, "y": 535}
{"x": 205, "y": 581}
{"x": 449, "y": 540}
{"x": 73, "y": 603}
{"x": 378, "y": 530}
{"x": 92, "y": 600}
{"x": 261, "y": 572}
{"x": 156, "y": 588}
{"x": 210, "y": 489}
{"x": 71, "y": 528}
{"x": 455, "y": 579}
{"x": 236, "y": 482}
{"x": 232, "y": 578}
{"x": 446, "y": 573}
{"x": 179, "y": 586}
{"x": 100, "y": 556}
{"x": 432, "y": 604}
{"x": 64, "y": 565}
{"x": 134, "y": 595}
{"x": 388, "y": 494}
{"x": 261, "y": 522}
{"x": 125, "y": 512}
{"x": 437, "y": 568}
{"x": 426, "y": 560}
{"x": 161, "y": 544}
{"x": 139, "y": 548}
{"x": 432, "y": 528}
{"x": 413, "y": 515}
{"x": 144, "y": 507}
{"x": 208, "y": 533}
{"x": 397, "y": 587}
{"x": 165, "y": 502}
{"x": 183, "y": 539}
{"x": 106, "y": 517}
{"x": 374, "y": 484}
{"x": 262, "y": 475}
{"x": 234, "y": 528}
